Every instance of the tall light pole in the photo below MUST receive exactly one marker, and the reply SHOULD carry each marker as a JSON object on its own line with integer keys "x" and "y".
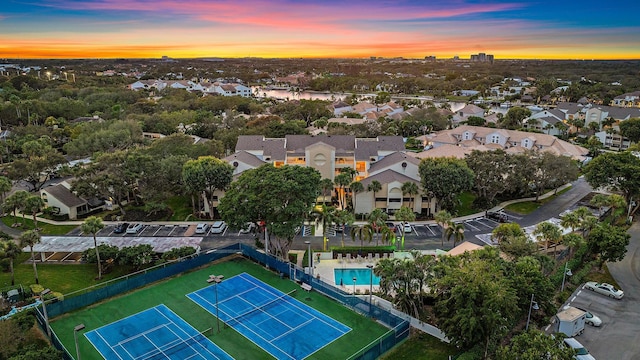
{"x": 216, "y": 279}
{"x": 75, "y": 339}
{"x": 44, "y": 310}
{"x": 370, "y": 284}
{"x": 567, "y": 272}
{"x": 532, "y": 305}
{"x": 354, "y": 285}
{"x": 309, "y": 257}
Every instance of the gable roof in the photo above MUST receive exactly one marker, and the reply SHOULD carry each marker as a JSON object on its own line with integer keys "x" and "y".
{"x": 244, "y": 157}
{"x": 392, "y": 159}
{"x": 388, "y": 176}
{"x": 64, "y": 195}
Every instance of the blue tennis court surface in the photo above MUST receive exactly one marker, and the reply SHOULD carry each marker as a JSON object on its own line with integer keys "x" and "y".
{"x": 281, "y": 325}
{"x": 156, "y": 333}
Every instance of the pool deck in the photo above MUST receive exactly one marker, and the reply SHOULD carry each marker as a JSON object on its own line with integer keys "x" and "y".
{"x": 326, "y": 270}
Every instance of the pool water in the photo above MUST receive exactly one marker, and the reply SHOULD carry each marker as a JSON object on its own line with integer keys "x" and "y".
{"x": 363, "y": 276}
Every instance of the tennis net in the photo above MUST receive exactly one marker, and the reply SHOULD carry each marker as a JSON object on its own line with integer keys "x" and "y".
{"x": 262, "y": 308}
{"x": 171, "y": 348}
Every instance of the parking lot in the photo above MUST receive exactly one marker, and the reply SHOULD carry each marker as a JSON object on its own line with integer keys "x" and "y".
{"x": 154, "y": 230}
{"x": 619, "y": 336}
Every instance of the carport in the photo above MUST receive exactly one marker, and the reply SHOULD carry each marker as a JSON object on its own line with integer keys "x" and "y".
{"x": 70, "y": 248}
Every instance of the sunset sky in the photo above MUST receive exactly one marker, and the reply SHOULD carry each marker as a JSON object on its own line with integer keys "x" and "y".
{"x": 561, "y": 29}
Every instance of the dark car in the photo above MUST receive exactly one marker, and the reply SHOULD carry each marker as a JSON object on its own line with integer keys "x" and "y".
{"x": 497, "y": 216}
{"x": 121, "y": 228}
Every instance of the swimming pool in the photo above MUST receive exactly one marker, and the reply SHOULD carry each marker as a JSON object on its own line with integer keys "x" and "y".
{"x": 363, "y": 276}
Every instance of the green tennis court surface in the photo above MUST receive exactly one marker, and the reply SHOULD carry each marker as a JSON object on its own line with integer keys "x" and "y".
{"x": 172, "y": 293}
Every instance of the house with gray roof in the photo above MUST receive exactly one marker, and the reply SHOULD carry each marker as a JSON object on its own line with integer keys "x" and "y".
{"x": 63, "y": 201}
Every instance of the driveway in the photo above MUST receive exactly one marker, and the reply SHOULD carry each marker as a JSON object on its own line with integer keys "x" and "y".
{"x": 619, "y": 336}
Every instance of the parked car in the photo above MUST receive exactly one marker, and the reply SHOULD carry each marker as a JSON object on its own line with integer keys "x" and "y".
{"x": 218, "y": 227}
{"x": 134, "y": 228}
{"x": 581, "y": 352}
{"x": 121, "y": 228}
{"x": 497, "y": 216}
{"x": 248, "y": 228}
{"x": 605, "y": 289}
{"x": 407, "y": 228}
{"x": 591, "y": 319}
{"x": 202, "y": 228}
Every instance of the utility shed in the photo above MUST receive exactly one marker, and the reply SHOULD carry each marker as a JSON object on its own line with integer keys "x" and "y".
{"x": 571, "y": 321}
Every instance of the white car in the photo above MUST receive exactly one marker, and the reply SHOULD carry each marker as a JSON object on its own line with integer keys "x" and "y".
{"x": 591, "y": 319}
{"x": 134, "y": 228}
{"x": 202, "y": 228}
{"x": 407, "y": 228}
{"x": 581, "y": 352}
{"x": 605, "y": 289}
{"x": 248, "y": 228}
{"x": 218, "y": 227}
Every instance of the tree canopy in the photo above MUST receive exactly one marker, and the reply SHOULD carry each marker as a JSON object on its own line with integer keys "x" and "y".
{"x": 445, "y": 178}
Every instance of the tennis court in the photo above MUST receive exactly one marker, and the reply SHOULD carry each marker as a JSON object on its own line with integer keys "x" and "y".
{"x": 156, "y": 333}
{"x": 281, "y": 325}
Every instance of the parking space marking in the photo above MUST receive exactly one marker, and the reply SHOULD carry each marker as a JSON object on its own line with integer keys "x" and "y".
{"x": 431, "y": 231}
{"x": 467, "y": 223}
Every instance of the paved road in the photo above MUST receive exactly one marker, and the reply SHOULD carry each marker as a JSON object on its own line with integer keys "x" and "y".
{"x": 621, "y": 341}
{"x": 556, "y": 206}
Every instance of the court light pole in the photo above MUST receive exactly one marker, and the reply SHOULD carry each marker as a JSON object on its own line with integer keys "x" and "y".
{"x": 75, "y": 338}
{"x": 309, "y": 257}
{"x": 354, "y": 285}
{"x": 370, "y": 284}
{"x": 44, "y": 311}
{"x": 216, "y": 279}
{"x": 567, "y": 272}
{"x": 532, "y": 305}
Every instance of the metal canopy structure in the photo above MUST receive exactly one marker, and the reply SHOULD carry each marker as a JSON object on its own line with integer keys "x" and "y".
{"x": 70, "y": 248}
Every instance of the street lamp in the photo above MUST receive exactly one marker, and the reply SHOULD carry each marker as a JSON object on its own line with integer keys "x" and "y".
{"x": 567, "y": 272}
{"x": 309, "y": 257}
{"x": 354, "y": 285}
{"x": 44, "y": 310}
{"x": 370, "y": 284}
{"x": 532, "y": 305}
{"x": 75, "y": 339}
{"x": 216, "y": 279}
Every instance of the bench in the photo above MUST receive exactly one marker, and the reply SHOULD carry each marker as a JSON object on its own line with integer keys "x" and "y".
{"x": 306, "y": 287}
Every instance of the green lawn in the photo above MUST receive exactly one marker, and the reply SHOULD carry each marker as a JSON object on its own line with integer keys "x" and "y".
{"x": 46, "y": 229}
{"x": 421, "y": 346}
{"x": 63, "y": 278}
{"x": 172, "y": 294}
{"x": 181, "y": 206}
{"x": 466, "y": 204}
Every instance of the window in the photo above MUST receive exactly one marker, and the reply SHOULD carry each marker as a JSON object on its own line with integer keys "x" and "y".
{"x": 495, "y": 139}
{"x": 381, "y": 199}
{"x": 395, "y": 200}
{"x": 319, "y": 159}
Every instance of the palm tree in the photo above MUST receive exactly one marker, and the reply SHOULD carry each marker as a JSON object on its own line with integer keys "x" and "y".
{"x": 363, "y": 232}
{"x": 5, "y": 187}
{"x": 570, "y": 220}
{"x": 374, "y": 187}
{"x": 33, "y": 205}
{"x": 410, "y": 188}
{"x": 572, "y": 241}
{"x": 342, "y": 218}
{"x": 549, "y": 233}
{"x": 377, "y": 217}
{"x": 443, "y": 217}
{"x": 91, "y": 226}
{"x": 326, "y": 185}
{"x": 615, "y": 202}
{"x": 30, "y": 238}
{"x": 587, "y": 224}
{"x": 356, "y": 187}
{"x": 10, "y": 251}
{"x": 455, "y": 230}
{"x": 404, "y": 214}
{"x": 387, "y": 235}
{"x": 327, "y": 216}
{"x": 385, "y": 270}
{"x": 341, "y": 181}
{"x": 15, "y": 201}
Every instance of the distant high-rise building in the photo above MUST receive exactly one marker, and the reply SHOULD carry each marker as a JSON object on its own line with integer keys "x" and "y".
{"x": 482, "y": 57}
{"x": 430, "y": 58}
